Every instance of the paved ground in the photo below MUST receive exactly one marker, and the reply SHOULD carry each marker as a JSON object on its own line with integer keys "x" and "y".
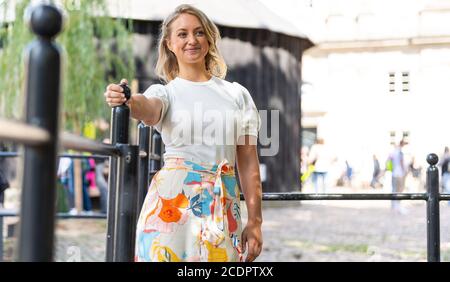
{"x": 334, "y": 232}
{"x": 307, "y": 231}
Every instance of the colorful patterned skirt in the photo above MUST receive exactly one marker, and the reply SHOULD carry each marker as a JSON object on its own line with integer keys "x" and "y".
{"x": 191, "y": 213}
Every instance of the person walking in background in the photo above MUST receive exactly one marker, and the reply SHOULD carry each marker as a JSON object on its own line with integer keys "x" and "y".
{"x": 101, "y": 178}
{"x": 348, "y": 173}
{"x": 321, "y": 157}
{"x": 416, "y": 175}
{"x": 376, "y": 172}
{"x": 87, "y": 171}
{"x": 63, "y": 174}
{"x": 306, "y": 169}
{"x": 4, "y": 183}
{"x": 399, "y": 171}
{"x": 445, "y": 171}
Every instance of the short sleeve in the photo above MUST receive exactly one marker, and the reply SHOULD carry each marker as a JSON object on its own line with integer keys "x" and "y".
{"x": 250, "y": 120}
{"x": 159, "y": 91}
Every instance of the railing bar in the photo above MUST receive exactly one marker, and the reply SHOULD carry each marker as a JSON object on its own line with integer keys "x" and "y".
{"x": 81, "y": 216}
{"x": 345, "y": 196}
{"x": 23, "y": 133}
{"x": 14, "y": 213}
{"x": 444, "y": 197}
{"x": 75, "y": 142}
{"x": 154, "y": 157}
{"x": 9, "y": 154}
{"x": 72, "y": 156}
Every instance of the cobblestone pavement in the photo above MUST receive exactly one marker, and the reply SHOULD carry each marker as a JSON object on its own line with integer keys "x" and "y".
{"x": 342, "y": 231}
{"x": 293, "y": 231}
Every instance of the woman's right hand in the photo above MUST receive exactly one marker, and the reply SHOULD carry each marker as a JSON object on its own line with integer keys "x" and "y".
{"x": 114, "y": 95}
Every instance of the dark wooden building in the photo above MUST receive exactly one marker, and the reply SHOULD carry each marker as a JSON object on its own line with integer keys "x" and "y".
{"x": 268, "y": 63}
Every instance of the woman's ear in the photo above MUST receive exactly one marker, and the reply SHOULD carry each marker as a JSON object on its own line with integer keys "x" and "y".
{"x": 169, "y": 46}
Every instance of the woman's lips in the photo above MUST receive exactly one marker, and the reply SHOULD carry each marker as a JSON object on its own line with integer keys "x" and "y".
{"x": 192, "y": 50}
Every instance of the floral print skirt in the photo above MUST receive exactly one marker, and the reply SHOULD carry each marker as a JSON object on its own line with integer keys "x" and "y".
{"x": 191, "y": 213}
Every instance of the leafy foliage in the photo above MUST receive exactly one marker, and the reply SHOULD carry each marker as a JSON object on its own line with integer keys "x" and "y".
{"x": 96, "y": 51}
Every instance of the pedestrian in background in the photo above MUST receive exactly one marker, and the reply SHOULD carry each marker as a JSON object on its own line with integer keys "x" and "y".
{"x": 376, "y": 172}
{"x": 4, "y": 183}
{"x": 445, "y": 171}
{"x": 415, "y": 176}
{"x": 399, "y": 170}
{"x": 101, "y": 178}
{"x": 320, "y": 156}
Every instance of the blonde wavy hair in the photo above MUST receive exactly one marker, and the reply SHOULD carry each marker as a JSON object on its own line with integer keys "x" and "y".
{"x": 167, "y": 65}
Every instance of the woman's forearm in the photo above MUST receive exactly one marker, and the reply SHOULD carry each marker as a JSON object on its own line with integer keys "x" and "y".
{"x": 253, "y": 198}
{"x": 145, "y": 109}
{"x": 248, "y": 167}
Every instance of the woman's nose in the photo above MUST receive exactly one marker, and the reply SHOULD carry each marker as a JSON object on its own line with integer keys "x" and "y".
{"x": 192, "y": 39}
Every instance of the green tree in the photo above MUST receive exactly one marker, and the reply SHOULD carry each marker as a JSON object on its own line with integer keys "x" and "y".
{"x": 97, "y": 51}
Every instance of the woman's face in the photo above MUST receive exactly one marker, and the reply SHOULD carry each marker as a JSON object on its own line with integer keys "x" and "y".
{"x": 187, "y": 40}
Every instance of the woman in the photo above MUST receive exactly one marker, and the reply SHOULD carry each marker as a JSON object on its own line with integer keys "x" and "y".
{"x": 192, "y": 208}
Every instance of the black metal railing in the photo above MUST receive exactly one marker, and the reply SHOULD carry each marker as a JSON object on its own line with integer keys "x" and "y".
{"x": 40, "y": 137}
{"x": 129, "y": 164}
{"x": 144, "y": 178}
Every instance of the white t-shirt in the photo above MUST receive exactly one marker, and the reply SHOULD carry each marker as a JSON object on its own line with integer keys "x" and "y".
{"x": 202, "y": 121}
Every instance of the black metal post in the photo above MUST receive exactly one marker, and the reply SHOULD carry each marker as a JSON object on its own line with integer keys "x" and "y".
{"x": 1, "y": 238}
{"x": 120, "y": 124}
{"x": 43, "y": 67}
{"x": 126, "y": 205}
{"x": 119, "y": 134}
{"x": 144, "y": 146}
{"x": 156, "y": 160}
{"x": 433, "y": 240}
{"x": 111, "y": 209}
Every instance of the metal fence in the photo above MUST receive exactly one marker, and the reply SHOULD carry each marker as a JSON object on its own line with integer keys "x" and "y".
{"x": 40, "y": 137}
{"x": 148, "y": 165}
{"x": 129, "y": 164}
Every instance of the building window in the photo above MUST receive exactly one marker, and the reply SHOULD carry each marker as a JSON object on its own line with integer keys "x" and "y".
{"x": 399, "y": 82}
{"x": 405, "y": 81}
{"x": 406, "y": 136}
{"x": 396, "y": 136}
{"x": 392, "y": 82}
{"x": 392, "y": 137}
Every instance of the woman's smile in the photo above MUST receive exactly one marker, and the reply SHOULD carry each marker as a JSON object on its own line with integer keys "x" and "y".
{"x": 192, "y": 50}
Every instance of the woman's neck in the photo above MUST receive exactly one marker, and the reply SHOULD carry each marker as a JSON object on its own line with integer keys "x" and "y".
{"x": 194, "y": 73}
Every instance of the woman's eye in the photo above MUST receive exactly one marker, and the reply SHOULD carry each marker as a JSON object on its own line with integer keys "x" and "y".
{"x": 201, "y": 33}
{"x": 182, "y": 34}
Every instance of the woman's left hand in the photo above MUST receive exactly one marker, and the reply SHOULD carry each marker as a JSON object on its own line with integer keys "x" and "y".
{"x": 252, "y": 240}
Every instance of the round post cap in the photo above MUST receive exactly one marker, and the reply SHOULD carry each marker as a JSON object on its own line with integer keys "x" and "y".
{"x": 432, "y": 159}
{"x": 44, "y": 20}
